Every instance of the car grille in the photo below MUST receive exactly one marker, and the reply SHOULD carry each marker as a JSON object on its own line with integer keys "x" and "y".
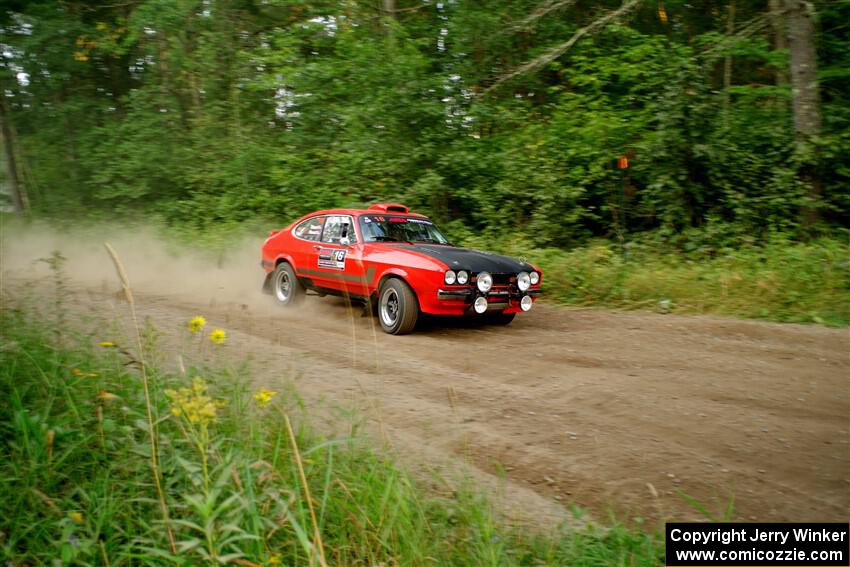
{"x": 503, "y": 279}
{"x": 499, "y": 280}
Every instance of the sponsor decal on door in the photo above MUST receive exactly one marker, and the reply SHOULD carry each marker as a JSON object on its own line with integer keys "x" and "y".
{"x": 332, "y": 258}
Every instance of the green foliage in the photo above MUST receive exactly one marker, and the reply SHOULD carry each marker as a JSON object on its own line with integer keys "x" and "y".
{"x": 216, "y": 117}
{"x": 708, "y": 272}
{"x": 77, "y": 486}
{"x": 218, "y": 112}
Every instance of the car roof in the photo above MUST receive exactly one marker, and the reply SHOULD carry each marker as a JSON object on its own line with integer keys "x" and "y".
{"x": 372, "y": 210}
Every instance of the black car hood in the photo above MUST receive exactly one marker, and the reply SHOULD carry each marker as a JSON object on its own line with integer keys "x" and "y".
{"x": 468, "y": 259}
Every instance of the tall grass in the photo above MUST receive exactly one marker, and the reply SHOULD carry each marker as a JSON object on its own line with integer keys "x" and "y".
{"x": 242, "y": 485}
{"x": 779, "y": 280}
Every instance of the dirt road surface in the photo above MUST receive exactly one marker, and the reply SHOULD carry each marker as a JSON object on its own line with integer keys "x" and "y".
{"x": 624, "y": 412}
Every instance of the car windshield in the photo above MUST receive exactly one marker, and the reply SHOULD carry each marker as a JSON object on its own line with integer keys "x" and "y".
{"x": 390, "y": 228}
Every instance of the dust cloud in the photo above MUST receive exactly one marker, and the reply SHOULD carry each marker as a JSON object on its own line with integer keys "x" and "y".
{"x": 154, "y": 264}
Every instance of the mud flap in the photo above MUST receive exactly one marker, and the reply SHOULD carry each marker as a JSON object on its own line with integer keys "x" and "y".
{"x": 267, "y": 283}
{"x": 370, "y": 308}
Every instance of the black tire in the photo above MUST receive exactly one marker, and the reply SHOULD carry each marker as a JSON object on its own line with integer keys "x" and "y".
{"x": 398, "y": 308}
{"x": 285, "y": 287}
{"x": 501, "y": 318}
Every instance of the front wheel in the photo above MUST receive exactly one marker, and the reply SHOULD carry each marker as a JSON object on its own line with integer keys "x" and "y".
{"x": 398, "y": 308}
{"x": 286, "y": 288}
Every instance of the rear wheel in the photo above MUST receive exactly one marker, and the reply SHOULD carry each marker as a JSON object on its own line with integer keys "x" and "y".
{"x": 501, "y": 318}
{"x": 286, "y": 288}
{"x": 398, "y": 308}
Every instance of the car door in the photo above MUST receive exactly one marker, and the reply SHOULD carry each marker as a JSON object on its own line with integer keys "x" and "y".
{"x": 306, "y": 238}
{"x": 339, "y": 257}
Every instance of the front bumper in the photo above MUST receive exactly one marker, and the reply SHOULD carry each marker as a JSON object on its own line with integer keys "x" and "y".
{"x": 469, "y": 294}
{"x": 504, "y": 300}
{"x": 454, "y": 294}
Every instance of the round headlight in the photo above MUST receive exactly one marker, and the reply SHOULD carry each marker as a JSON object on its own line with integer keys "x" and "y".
{"x": 450, "y": 277}
{"x": 462, "y": 277}
{"x": 525, "y": 303}
{"x": 523, "y": 281}
{"x": 485, "y": 282}
{"x": 480, "y": 304}
{"x": 535, "y": 278}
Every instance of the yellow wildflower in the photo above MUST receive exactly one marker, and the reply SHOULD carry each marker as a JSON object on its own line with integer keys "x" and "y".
{"x": 193, "y": 403}
{"x": 197, "y": 323}
{"x": 77, "y": 517}
{"x": 80, "y": 374}
{"x": 105, "y": 396}
{"x": 274, "y": 559}
{"x": 106, "y": 344}
{"x": 218, "y": 336}
{"x": 80, "y": 56}
{"x": 263, "y": 396}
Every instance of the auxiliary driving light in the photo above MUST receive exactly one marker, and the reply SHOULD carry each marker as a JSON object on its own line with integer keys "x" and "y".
{"x": 480, "y": 305}
{"x": 523, "y": 281}
{"x": 462, "y": 277}
{"x": 485, "y": 282}
{"x": 525, "y": 303}
{"x": 450, "y": 277}
{"x": 535, "y": 278}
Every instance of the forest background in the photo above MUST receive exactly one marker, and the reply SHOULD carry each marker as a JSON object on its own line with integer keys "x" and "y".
{"x": 691, "y": 155}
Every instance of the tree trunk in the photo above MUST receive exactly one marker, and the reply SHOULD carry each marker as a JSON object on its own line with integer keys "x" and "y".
{"x": 19, "y": 196}
{"x": 780, "y": 36}
{"x": 727, "y": 61}
{"x": 389, "y": 8}
{"x": 804, "y": 70}
{"x": 805, "y": 98}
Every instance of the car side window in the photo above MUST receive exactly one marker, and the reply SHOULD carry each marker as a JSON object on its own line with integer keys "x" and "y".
{"x": 310, "y": 229}
{"x": 336, "y": 227}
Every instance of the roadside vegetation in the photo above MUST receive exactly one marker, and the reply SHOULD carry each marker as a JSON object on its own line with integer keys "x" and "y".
{"x": 108, "y": 459}
{"x": 778, "y": 280}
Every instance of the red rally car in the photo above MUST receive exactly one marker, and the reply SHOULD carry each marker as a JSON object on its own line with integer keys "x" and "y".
{"x": 397, "y": 262}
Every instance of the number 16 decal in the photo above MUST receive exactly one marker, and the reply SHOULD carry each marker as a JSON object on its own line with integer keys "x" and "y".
{"x": 332, "y": 258}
